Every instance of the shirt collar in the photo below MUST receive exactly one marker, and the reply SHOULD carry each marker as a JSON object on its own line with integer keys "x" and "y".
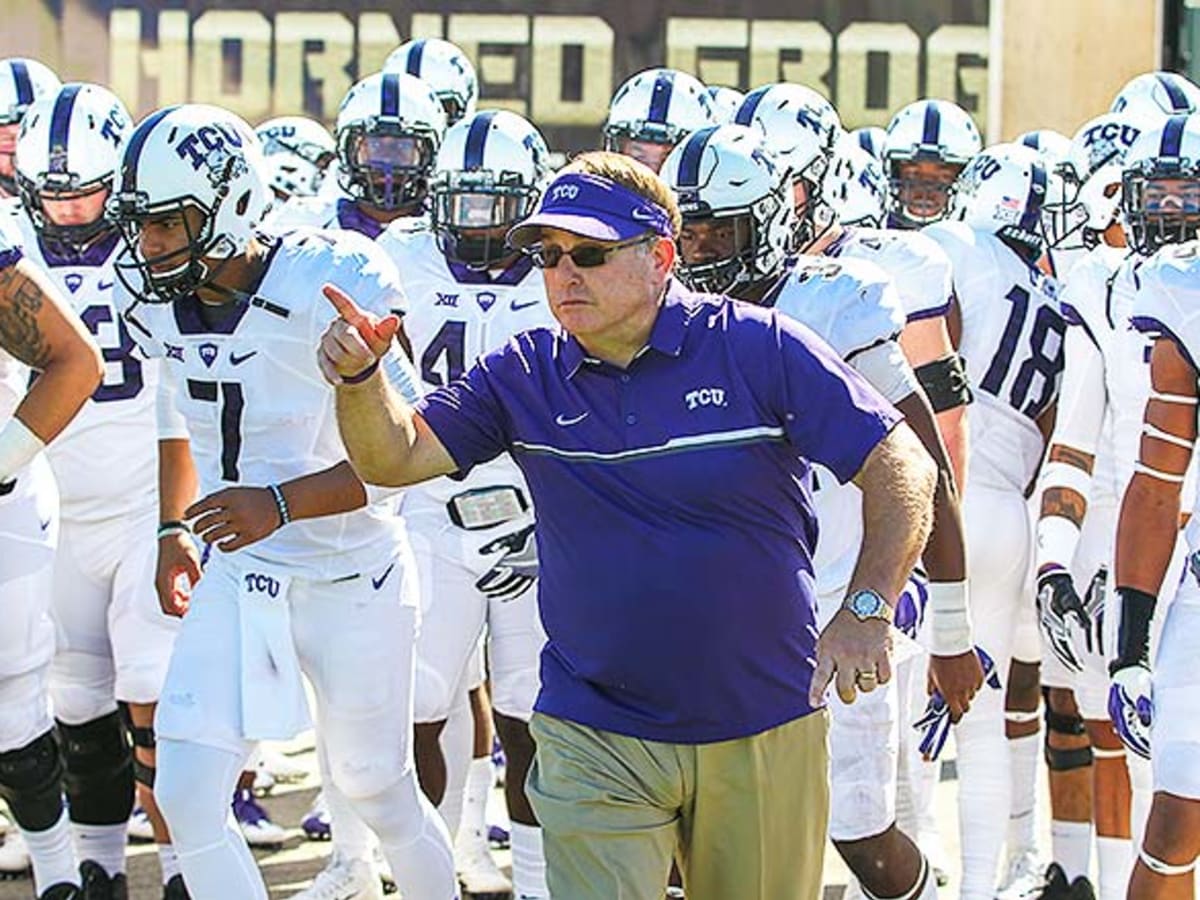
{"x": 666, "y": 335}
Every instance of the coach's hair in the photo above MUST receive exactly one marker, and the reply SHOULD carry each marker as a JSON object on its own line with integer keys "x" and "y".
{"x": 628, "y": 172}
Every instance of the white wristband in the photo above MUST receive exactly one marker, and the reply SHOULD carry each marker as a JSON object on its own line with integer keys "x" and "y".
{"x": 18, "y": 446}
{"x": 951, "y": 625}
{"x": 1057, "y": 538}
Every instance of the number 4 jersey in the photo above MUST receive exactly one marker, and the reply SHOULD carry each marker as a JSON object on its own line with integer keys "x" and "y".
{"x": 1012, "y": 343}
{"x": 244, "y": 378}
{"x": 105, "y": 459}
{"x": 456, "y": 315}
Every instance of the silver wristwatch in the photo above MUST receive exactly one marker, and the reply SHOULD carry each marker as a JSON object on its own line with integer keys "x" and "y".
{"x": 868, "y": 604}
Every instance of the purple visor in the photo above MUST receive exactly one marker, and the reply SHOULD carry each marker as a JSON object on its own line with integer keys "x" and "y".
{"x": 595, "y": 207}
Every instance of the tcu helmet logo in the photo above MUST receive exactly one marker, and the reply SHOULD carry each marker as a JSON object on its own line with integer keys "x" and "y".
{"x": 565, "y": 192}
{"x": 209, "y": 146}
{"x": 114, "y": 125}
{"x": 261, "y": 584}
{"x": 1111, "y": 132}
{"x": 708, "y": 396}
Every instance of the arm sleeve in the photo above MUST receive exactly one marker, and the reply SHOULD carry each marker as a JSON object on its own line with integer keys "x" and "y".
{"x": 1081, "y": 400}
{"x": 830, "y": 414}
{"x": 172, "y": 424}
{"x": 887, "y": 370}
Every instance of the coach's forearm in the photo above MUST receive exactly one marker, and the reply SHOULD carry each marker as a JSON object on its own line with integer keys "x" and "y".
{"x": 897, "y": 482}
{"x": 378, "y": 429}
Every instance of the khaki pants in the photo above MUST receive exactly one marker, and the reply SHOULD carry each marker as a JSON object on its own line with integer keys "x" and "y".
{"x": 744, "y": 818}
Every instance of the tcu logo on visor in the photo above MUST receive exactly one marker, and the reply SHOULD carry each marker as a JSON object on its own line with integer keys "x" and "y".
{"x": 203, "y": 143}
{"x": 565, "y": 192}
{"x": 261, "y": 584}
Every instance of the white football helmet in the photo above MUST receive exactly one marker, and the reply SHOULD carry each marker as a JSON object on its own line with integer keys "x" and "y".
{"x": 855, "y": 187}
{"x": 298, "y": 150}
{"x": 736, "y": 206}
{"x": 725, "y": 103}
{"x": 22, "y": 81}
{"x": 69, "y": 147}
{"x": 1157, "y": 94}
{"x": 1051, "y": 146}
{"x": 935, "y": 132}
{"x": 182, "y": 158}
{"x": 871, "y": 138}
{"x": 800, "y": 127}
{"x": 490, "y": 172}
{"x": 389, "y": 128}
{"x": 444, "y": 67}
{"x": 1090, "y": 176}
{"x": 1160, "y": 184}
{"x": 1002, "y": 191}
{"x": 656, "y": 107}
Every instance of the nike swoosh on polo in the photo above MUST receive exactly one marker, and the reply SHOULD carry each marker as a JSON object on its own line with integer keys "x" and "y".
{"x": 567, "y": 421}
{"x": 377, "y": 583}
{"x": 517, "y": 307}
{"x": 238, "y": 360}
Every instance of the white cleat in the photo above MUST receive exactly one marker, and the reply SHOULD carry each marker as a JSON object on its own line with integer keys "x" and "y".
{"x": 343, "y": 879}
{"x": 479, "y": 874}
{"x": 1024, "y": 877}
{"x": 14, "y": 856}
{"x": 279, "y": 766}
{"x": 256, "y": 825}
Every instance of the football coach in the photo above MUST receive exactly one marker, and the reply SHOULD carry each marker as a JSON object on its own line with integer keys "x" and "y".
{"x": 667, "y": 438}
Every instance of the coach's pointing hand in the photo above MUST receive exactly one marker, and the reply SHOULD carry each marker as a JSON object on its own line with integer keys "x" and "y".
{"x": 354, "y": 342}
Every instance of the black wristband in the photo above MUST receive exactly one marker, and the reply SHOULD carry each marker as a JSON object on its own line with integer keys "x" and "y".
{"x": 172, "y": 526}
{"x": 361, "y": 376}
{"x": 1133, "y": 636}
{"x": 281, "y": 505}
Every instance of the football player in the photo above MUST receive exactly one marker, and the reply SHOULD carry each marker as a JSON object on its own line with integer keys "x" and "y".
{"x": 444, "y": 67}
{"x": 22, "y": 81}
{"x": 929, "y": 142}
{"x": 1009, "y": 332}
{"x": 653, "y": 111}
{"x": 307, "y": 571}
{"x": 298, "y": 151}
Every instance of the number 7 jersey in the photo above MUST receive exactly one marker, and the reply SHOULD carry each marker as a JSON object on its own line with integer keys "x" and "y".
{"x": 244, "y": 378}
{"x": 1012, "y": 344}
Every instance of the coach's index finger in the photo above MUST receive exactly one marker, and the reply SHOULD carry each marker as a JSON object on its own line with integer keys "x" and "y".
{"x": 368, "y": 327}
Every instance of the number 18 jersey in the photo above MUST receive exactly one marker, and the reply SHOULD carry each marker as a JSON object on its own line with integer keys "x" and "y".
{"x": 455, "y": 315}
{"x": 1012, "y": 343}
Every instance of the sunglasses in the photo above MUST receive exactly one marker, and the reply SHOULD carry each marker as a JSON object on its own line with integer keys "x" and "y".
{"x": 585, "y": 256}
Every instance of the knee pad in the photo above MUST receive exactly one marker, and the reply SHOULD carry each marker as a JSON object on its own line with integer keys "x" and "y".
{"x": 99, "y": 770}
{"x": 1059, "y": 759}
{"x": 143, "y": 773}
{"x": 31, "y": 782}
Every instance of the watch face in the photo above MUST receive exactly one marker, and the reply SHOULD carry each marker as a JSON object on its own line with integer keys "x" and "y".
{"x": 865, "y": 603}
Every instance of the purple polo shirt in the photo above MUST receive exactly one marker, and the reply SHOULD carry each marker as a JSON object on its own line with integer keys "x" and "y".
{"x": 675, "y": 525}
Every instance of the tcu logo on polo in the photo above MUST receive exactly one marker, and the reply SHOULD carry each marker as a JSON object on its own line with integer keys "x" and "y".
{"x": 205, "y": 141}
{"x": 708, "y": 396}
{"x": 261, "y": 584}
{"x": 565, "y": 192}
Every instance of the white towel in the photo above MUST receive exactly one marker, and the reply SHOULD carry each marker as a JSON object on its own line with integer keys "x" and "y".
{"x": 274, "y": 706}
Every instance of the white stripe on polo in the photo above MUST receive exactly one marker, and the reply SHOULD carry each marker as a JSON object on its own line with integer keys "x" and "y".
{"x": 690, "y": 442}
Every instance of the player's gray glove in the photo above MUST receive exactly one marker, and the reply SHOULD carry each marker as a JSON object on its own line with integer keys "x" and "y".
{"x": 516, "y": 569}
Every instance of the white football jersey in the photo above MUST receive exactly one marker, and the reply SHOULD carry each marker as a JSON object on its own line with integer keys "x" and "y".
{"x": 1012, "y": 343}
{"x": 257, "y": 409}
{"x": 106, "y": 459}
{"x": 853, "y": 306}
{"x": 332, "y": 211}
{"x": 455, "y": 315}
{"x": 919, "y": 268}
{"x": 1099, "y": 298}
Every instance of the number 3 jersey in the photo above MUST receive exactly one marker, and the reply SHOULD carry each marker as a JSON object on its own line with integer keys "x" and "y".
{"x": 105, "y": 460}
{"x": 456, "y": 315}
{"x": 244, "y": 378}
{"x": 1012, "y": 344}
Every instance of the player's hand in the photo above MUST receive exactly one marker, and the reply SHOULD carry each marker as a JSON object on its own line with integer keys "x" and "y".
{"x": 1063, "y": 617}
{"x": 355, "y": 340}
{"x": 958, "y": 679}
{"x": 516, "y": 568}
{"x": 234, "y": 518}
{"x": 176, "y": 572}
{"x": 934, "y": 725}
{"x": 857, "y": 653}
{"x": 1131, "y": 706}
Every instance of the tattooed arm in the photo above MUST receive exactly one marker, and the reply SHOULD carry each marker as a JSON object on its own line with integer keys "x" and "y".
{"x": 39, "y": 329}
